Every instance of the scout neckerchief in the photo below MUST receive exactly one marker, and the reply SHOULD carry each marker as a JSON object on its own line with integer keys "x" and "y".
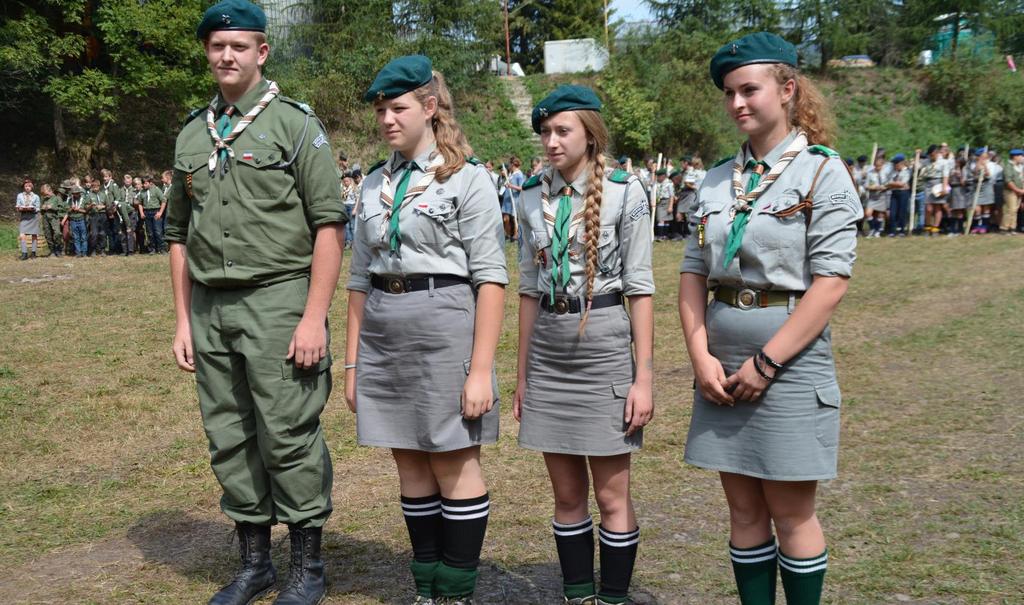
{"x": 394, "y": 200}
{"x": 562, "y": 226}
{"x": 223, "y": 135}
{"x": 745, "y": 201}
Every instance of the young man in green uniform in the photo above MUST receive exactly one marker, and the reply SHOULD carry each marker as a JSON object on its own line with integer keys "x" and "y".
{"x": 152, "y": 206}
{"x": 54, "y": 208}
{"x": 96, "y": 204}
{"x": 256, "y": 229}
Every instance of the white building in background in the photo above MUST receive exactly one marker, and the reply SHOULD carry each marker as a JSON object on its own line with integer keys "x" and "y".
{"x": 574, "y": 56}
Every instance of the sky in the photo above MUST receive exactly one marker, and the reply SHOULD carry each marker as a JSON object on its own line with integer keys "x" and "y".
{"x": 631, "y": 10}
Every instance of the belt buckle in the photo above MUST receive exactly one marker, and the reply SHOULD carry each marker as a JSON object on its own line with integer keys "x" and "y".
{"x": 746, "y": 299}
{"x": 561, "y": 305}
{"x": 396, "y": 285}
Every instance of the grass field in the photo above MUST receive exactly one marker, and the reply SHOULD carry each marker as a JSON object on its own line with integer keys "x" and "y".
{"x": 106, "y": 495}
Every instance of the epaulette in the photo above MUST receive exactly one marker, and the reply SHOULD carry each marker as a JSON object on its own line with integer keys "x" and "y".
{"x": 532, "y": 182}
{"x": 724, "y": 160}
{"x": 619, "y": 176}
{"x": 822, "y": 150}
{"x": 474, "y": 160}
{"x": 193, "y": 115}
{"x": 376, "y": 166}
{"x": 303, "y": 106}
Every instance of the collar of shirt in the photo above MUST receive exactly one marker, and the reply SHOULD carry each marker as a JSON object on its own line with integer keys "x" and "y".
{"x": 772, "y": 156}
{"x": 579, "y": 184}
{"x": 419, "y": 162}
{"x": 248, "y": 100}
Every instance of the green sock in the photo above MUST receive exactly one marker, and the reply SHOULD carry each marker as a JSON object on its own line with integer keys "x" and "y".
{"x": 754, "y": 569}
{"x": 802, "y": 579}
{"x": 423, "y": 576}
{"x": 454, "y": 581}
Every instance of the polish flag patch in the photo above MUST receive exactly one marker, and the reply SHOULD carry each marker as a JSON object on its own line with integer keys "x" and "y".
{"x": 247, "y": 155}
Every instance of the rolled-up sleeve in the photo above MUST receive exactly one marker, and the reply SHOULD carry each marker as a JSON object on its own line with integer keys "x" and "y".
{"x": 832, "y": 232}
{"x": 179, "y": 209}
{"x": 315, "y": 176}
{"x": 529, "y": 273}
{"x": 635, "y": 242}
{"x": 480, "y": 226}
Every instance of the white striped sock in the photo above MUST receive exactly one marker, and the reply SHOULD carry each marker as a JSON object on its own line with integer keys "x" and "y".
{"x": 617, "y": 539}
{"x": 758, "y": 554}
{"x": 465, "y": 513}
{"x": 573, "y": 529}
{"x": 425, "y": 509}
{"x": 804, "y": 565}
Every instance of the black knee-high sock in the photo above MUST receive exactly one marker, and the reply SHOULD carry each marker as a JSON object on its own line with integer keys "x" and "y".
{"x": 464, "y": 525}
{"x": 618, "y": 554}
{"x": 423, "y": 520}
{"x": 755, "y": 572}
{"x": 575, "y": 544}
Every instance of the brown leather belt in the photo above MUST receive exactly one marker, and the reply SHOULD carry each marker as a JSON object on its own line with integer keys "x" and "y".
{"x": 747, "y": 298}
{"x": 573, "y": 304}
{"x": 402, "y": 285}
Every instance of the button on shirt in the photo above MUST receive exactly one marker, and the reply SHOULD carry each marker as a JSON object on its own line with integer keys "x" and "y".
{"x": 624, "y": 244}
{"x": 778, "y": 252}
{"x": 255, "y": 224}
{"x": 451, "y": 228}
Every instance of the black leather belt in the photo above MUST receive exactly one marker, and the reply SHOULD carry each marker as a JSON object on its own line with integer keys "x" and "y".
{"x": 573, "y": 304}
{"x": 401, "y": 285}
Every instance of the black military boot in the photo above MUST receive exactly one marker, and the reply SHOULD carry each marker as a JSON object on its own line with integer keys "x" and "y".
{"x": 24, "y": 256}
{"x": 305, "y": 585}
{"x": 257, "y": 574}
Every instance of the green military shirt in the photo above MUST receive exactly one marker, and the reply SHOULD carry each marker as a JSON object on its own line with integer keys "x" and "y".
{"x": 95, "y": 201}
{"x": 55, "y": 204}
{"x": 151, "y": 199}
{"x": 77, "y": 207}
{"x": 254, "y": 224}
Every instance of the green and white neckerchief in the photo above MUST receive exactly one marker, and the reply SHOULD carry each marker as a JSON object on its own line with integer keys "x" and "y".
{"x": 390, "y": 231}
{"x": 562, "y": 226}
{"x": 222, "y": 133}
{"x": 745, "y": 200}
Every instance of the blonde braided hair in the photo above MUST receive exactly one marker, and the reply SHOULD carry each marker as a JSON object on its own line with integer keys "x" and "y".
{"x": 597, "y": 135}
{"x": 451, "y": 142}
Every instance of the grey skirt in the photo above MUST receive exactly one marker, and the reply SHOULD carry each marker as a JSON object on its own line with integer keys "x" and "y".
{"x": 792, "y": 432}
{"x": 929, "y": 197}
{"x": 414, "y": 354}
{"x": 958, "y": 198}
{"x": 879, "y": 204}
{"x": 29, "y": 224}
{"x": 576, "y": 387}
{"x": 663, "y": 213}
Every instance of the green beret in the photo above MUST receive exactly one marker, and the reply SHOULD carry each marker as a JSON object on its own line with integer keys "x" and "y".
{"x": 566, "y": 97}
{"x": 675, "y": 173}
{"x": 400, "y": 76}
{"x": 760, "y": 47}
{"x": 240, "y": 15}
{"x": 660, "y": 172}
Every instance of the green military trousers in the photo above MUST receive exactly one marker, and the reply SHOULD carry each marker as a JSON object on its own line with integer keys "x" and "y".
{"x": 261, "y": 413}
{"x": 52, "y": 232}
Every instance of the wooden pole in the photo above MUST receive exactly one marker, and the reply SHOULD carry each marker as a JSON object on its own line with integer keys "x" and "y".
{"x": 913, "y": 191}
{"x": 508, "y": 44}
{"x": 606, "y": 42}
{"x": 977, "y": 194}
{"x": 654, "y": 196}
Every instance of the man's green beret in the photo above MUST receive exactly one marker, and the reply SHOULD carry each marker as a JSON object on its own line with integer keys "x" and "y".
{"x": 675, "y": 173}
{"x": 660, "y": 172}
{"x": 760, "y": 47}
{"x": 240, "y": 15}
{"x": 400, "y": 76}
{"x": 567, "y": 97}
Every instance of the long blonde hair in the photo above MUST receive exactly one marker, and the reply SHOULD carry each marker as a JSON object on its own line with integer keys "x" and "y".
{"x": 597, "y": 136}
{"x": 451, "y": 142}
{"x": 808, "y": 109}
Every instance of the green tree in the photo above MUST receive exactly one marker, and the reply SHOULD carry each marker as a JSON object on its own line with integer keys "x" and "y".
{"x": 534, "y": 22}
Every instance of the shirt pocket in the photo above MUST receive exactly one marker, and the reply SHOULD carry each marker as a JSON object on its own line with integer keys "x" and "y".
{"x": 540, "y": 239}
{"x": 195, "y": 177}
{"x": 609, "y": 257}
{"x": 780, "y": 224}
{"x": 260, "y": 177}
{"x": 435, "y": 219}
{"x": 711, "y": 217}
{"x": 370, "y": 226}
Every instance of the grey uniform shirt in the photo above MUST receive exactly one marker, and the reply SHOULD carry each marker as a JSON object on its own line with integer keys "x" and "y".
{"x": 778, "y": 253}
{"x": 875, "y": 178}
{"x": 452, "y": 228}
{"x": 624, "y": 245}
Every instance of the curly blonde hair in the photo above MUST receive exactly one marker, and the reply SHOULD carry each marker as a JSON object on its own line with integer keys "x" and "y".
{"x": 808, "y": 109}
{"x": 451, "y": 142}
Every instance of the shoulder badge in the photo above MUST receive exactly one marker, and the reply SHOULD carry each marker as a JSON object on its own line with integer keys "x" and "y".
{"x": 376, "y": 166}
{"x": 532, "y": 182}
{"x": 822, "y": 150}
{"x": 474, "y": 161}
{"x": 303, "y": 106}
{"x": 193, "y": 115}
{"x": 619, "y": 176}
{"x": 723, "y": 161}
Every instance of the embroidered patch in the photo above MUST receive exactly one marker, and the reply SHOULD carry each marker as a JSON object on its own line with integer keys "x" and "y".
{"x": 838, "y": 198}
{"x": 639, "y": 212}
{"x": 247, "y": 155}
{"x": 319, "y": 141}
{"x": 262, "y": 136}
